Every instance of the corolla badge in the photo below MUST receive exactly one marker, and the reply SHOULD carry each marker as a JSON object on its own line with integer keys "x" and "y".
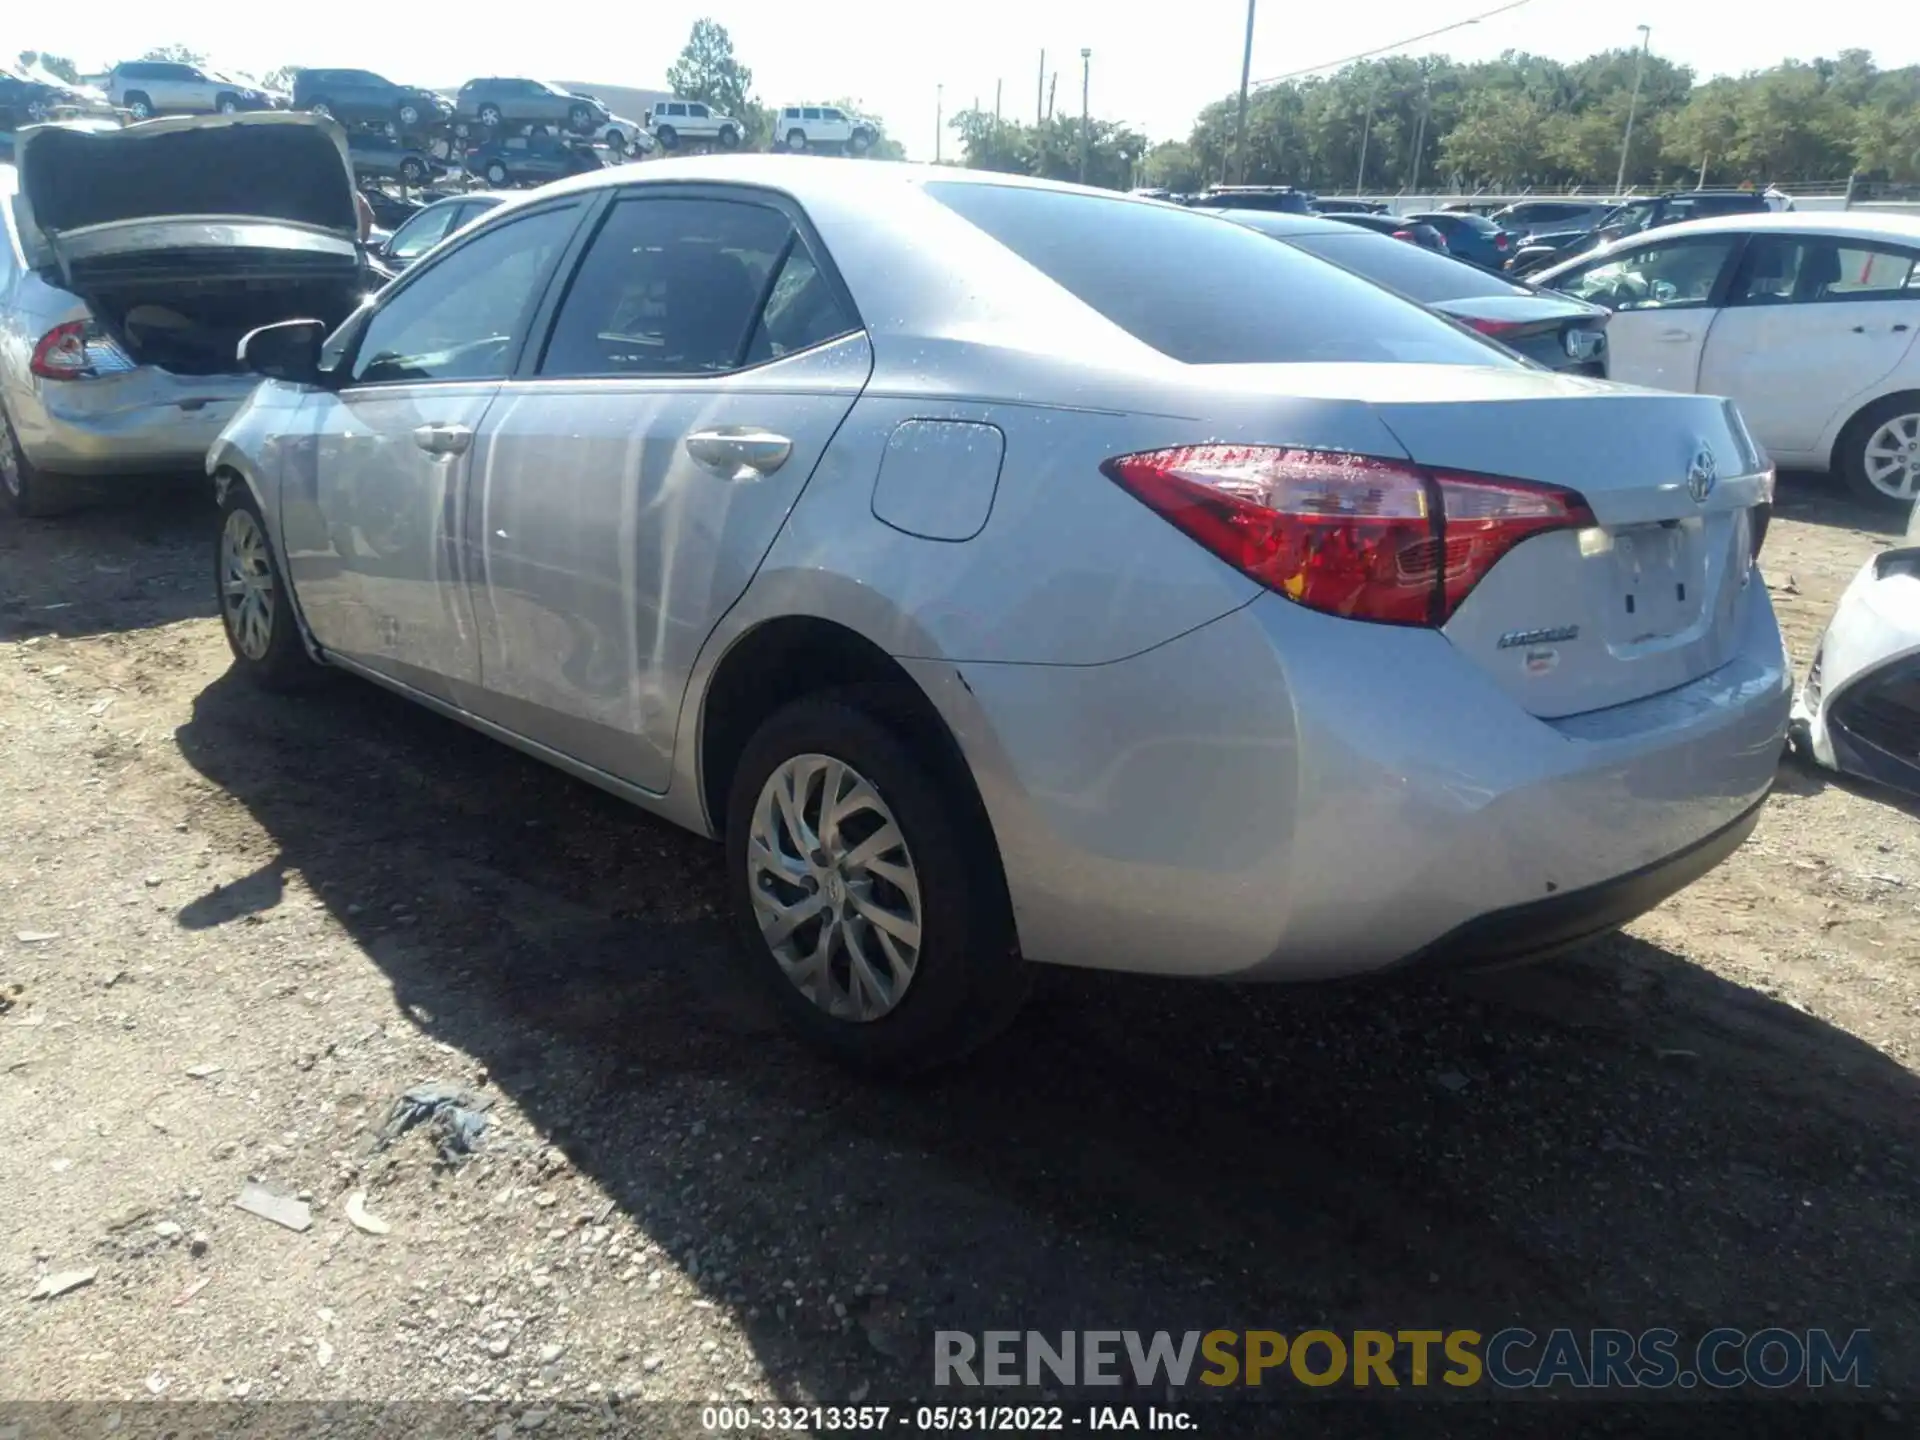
{"x": 1702, "y": 472}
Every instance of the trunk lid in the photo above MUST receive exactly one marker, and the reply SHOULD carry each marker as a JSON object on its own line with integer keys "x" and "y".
{"x": 1643, "y": 601}
{"x": 265, "y": 190}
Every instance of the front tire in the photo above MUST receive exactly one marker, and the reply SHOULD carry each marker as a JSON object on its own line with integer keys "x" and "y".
{"x": 616, "y": 143}
{"x": 729, "y": 138}
{"x": 490, "y": 116}
{"x": 322, "y": 109}
{"x": 138, "y": 105}
{"x": 496, "y": 173}
{"x": 24, "y": 489}
{"x": 228, "y": 105}
{"x": 409, "y": 116}
{"x": 1879, "y": 452}
{"x": 667, "y": 137}
{"x": 865, "y": 889}
{"x": 413, "y": 171}
{"x": 796, "y": 140}
{"x": 255, "y": 610}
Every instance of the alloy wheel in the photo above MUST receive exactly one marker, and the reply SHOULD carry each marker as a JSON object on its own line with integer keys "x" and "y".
{"x": 1892, "y": 457}
{"x": 834, "y": 888}
{"x": 246, "y": 584}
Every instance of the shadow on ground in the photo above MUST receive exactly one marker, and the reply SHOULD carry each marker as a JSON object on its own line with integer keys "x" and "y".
{"x": 1820, "y": 499}
{"x": 1618, "y": 1138}
{"x": 128, "y": 562}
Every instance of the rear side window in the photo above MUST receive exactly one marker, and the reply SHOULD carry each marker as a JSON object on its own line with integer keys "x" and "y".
{"x": 691, "y": 287}
{"x": 1225, "y": 295}
{"x": 1415, "y": 272}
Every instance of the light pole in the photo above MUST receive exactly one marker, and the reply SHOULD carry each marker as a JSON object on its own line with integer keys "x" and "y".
{"x": 1086, "y": 68}
{"x": 1633, "y": 104}
{"x": 1366, "y": 132}
{"x": 939, "y": 119}
{"x": 1240, "y": 130}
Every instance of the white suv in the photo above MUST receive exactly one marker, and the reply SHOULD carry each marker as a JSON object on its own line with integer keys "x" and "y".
{"x": 672, "y": 121}
{"x": 801, "y": 126}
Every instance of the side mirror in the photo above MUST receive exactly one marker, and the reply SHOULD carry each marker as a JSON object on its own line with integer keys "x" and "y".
{"x": 289, "y": 350}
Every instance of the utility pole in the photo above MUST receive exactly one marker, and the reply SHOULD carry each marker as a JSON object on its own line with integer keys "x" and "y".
{"x": 1086, "y": 71}
{"x": 1420, "y": 130}
{"x": 1240, "y": 130}
{"x": 939, "y": 119}
{"x": 1626, "y": 142}
{"x": 1040, "y": 93}
{"x": 996, "y": 111}
{"x": 1053, "y": 88}
{"x": 1366, "y": 132}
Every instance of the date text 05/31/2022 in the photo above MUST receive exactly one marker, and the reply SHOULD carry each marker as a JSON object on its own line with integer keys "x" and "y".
{"x": 936, "y": 1419}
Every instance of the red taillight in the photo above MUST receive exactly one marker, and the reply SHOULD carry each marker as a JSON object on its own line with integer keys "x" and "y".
{"x": 1501, "y": 240}
{"x": 1403, "y": 235}
{"x": 77, "y": 350}
{"x": 1351, "y": 535}
{"x": 62, "y": 352}
{"x": 1495, "y": 328}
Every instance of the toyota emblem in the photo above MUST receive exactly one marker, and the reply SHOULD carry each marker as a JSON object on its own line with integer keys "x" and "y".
{"x": 1702, "y": 472}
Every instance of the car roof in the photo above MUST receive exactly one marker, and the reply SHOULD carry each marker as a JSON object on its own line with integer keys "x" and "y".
{"x": 1847, "y": 224}
{"x": 1277, "y": 222}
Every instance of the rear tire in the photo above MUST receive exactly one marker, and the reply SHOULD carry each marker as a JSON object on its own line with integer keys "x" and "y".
{"x": 490, "y": 116}
{"x": 413, "y": 171}
{"x": 579, "y": 120}
{"x": 796, "y": 140}
{"x": 228, "y": 105}
{"x": 322, "y": 109}
{"x": 25, "y": 490}
{"x": 965, "y": 981}
{"x": 496, "y": 173}
{"x": 409, "y": 116}
{"x": 256, "y": 611}
{"x": 1878, "y": 455}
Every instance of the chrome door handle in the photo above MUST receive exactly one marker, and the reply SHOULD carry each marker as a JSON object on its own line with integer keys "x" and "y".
{"x": 443, "y": 439}
{"x": 1676, "y": 336}
{"x": 739, "y": 452}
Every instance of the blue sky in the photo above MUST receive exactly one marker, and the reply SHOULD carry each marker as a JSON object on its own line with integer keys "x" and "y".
{"x": 891, "y": 56}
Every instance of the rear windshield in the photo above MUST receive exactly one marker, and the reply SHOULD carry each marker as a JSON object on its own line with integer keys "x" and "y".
{"x": 1412, "y": 270}
{"x": 1203, "y": 290}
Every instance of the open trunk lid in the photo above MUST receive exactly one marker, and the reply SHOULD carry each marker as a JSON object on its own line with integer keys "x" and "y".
{"x": 259, "y": 193}
{"x": 1644, "y": 600}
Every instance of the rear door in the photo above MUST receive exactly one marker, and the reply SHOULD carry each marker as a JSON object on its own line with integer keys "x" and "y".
{"x": 630, "y": 479}
{"x": 1812, "y": 322}
{"x": 373, "y": 528}
{"x": 1665, "y": 292}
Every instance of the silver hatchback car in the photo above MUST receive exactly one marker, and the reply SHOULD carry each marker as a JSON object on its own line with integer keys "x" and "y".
{"x": 1010, "y": 572}
{"x": 132, "y": 261}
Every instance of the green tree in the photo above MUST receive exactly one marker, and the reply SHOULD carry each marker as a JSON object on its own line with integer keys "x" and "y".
{"x": 1173, "y": 165}
{"x": 1051, "y": 150}
{"x": 707, "y": 70}
{"x": 57, "y": 65}
{"x": 178, "y": 54}
{"x": 280, "y": 79}
{"x": 1701, "y": 136}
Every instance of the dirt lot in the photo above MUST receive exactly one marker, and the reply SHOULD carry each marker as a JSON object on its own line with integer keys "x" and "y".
{"x": 1709, "y": 1120}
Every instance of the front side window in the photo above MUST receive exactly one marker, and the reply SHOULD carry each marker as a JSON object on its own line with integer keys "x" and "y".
{"x": 1653, "y": 277}
{"x": 421, "y": 232}
{"x": 457, "y": 317}
{"x": 1234, "y": 298}
{"x": 833, "y": 114}
{"x": 682, "y": 287}
{"x": 697, "y": 112}
{"x": 812, "y": 113}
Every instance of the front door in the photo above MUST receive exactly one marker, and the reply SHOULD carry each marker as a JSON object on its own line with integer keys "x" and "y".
{"x": 1664, "y": 295}
{"x": 1812, "y": 322}
{"x": 628, "y": 484}
{"x": 375, "y": 544}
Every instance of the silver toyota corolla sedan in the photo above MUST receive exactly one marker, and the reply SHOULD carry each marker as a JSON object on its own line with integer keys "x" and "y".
{"x": 1010, "y": 572}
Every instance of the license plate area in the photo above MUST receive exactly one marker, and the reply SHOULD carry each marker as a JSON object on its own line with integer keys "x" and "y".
{"x": 1657, "y": 584}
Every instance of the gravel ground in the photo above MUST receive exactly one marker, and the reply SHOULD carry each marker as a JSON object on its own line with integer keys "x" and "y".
{"x": 234, "y": 928}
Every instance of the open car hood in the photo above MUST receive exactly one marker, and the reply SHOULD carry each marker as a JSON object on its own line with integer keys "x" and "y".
{"x": 81, "y": 188}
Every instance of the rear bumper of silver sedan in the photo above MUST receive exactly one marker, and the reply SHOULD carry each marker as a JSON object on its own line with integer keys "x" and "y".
{"x": 145, "y": 422}
{"x": 1283, "y": 795}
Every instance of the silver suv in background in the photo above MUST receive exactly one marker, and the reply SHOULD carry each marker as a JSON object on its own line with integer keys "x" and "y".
{"x": 673, "y": 121}
{"x": 166, "y": 87}
{"x": 822, "y": 127}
